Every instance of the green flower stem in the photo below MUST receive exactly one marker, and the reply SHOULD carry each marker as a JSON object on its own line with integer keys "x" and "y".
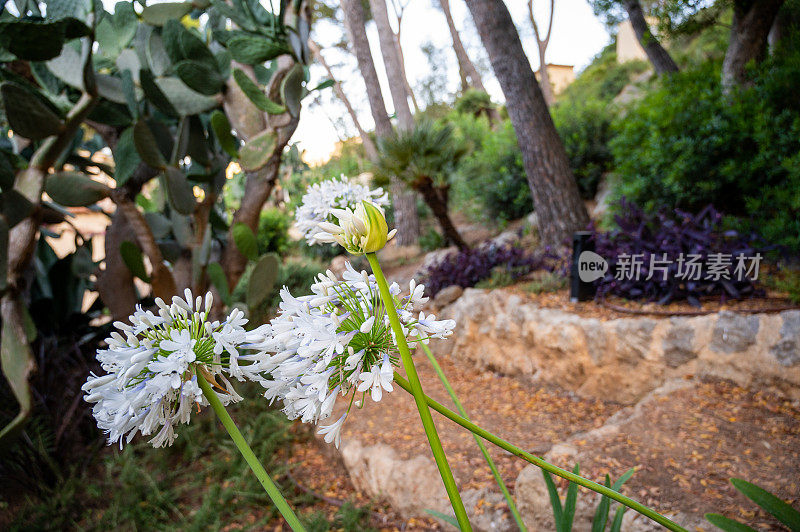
{"x": 484, "y": 450}
{"x": 249, "y": 456}
{"x": 535, "y": 460}
{"x": 415, "y": 388}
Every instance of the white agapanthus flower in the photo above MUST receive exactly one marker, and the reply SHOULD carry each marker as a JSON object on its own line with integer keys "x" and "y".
{"x": 152, "y": 363}
{"x": 321, "y": 199}
{"x": 338, "y": 342}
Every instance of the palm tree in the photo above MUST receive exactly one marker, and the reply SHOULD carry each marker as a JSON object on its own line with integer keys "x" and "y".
{"x": 424, "y": 159}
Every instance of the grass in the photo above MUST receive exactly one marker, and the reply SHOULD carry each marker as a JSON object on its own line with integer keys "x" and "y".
{"x": 786, "y": 281}
{"x": 547, "y": 282}
{"x": 200, "y": 483}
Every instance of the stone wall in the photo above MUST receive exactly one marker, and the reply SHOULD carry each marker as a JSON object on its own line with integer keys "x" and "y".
{"x": 622, "y": 359}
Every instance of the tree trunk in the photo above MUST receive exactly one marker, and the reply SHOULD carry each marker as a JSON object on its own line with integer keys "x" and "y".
{"x": 259, "y": 184}
{"x": 541, "y": 45}
{"x": 366, "y": 140}
{"x": 752, "y": 21}
{"x": 405, "y": 206}
{"x": 556, "y": 199}
{"x": 436, "y": 199}
{"x": 393, "y": 64}
{"x": 355, "y": 25}
{"x": 658, "y": 56}
{"x": 465, "y": 65}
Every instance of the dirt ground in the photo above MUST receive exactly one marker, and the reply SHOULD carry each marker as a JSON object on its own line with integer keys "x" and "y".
{"x": 684, "y": 449}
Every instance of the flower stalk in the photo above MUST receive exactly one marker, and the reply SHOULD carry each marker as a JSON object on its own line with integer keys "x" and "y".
{"x": 414, "y": 387}
{"x": 535, "y": 460}
{"x": 481, "y": 445}
{"x": 249, "y": 456}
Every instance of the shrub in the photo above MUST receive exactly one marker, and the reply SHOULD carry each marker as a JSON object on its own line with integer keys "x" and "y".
{"x": 585, "y": 130}
{"x": 492, "y": 177}
{"x": 273, "y": 231}
{"x": 670, "y": 235}
{"x": 468, "y": 268}
{"x": 686, "y": 145}
{"x": 431, "y": 240}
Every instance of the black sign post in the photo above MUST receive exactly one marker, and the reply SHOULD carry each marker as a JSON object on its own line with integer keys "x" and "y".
{"x": 579, "y": 290}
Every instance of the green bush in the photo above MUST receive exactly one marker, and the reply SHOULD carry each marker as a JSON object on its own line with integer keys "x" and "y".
{"x": 686, "y": 145}
{"x": 585, "y": 129}
{"x": 491, "y": 178}
{"x": 431, "y": 240}
{"x": 273, "y": 231}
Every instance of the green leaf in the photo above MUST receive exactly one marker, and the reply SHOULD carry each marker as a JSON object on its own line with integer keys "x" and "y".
{"x": 27, "y": 113}
{"x": 324, "y": 85}
{"x": 134, "y": 260}
{"x": 601, "y": 514}
{"x": 146, "y": 146}
{"x": 17, "y": 363}
{"x": 237, "y": 17}
{"x": 262, "y": 279}
{"x": 570, "y": 501}
{"x": 7, "y": 171}
{"x": 155, "y": 95}
{"x": 157, "y": 56}
{"x": 727, "y": 524}
{"x": 256, "y": 152}
{"x": 160, "y": 14}
{"x": 16, "y": 207}
{"x": 451, "y": 519}
{"x": 769, "y": 502}
{"x": 616, "y": 525}
{"x": 255, "y": 95}
{"x": 159, "y": 224}
{"x": 74, "y": 189}
{"x": 199, "y": 77}
{"x": 179, "y": 191}
{"x": 252, "y": 50}
{"x": 37, "y": 40}
{"x": 185, "y": 101}
{"x": 183, "y": 44}
{"x": 68, "y": 67}
{"x": 292, "y": 89}
{"x": 222, "y": 130}
{"x": 197, "y": 147}
{"x": 115, "y": 32}
{"x": 111, "y": 114}
{"x": 217, "y": 277}
{"x": 126, "y": 158}
{"x": 245, "y": 241}
{"x": 555, "y": 501}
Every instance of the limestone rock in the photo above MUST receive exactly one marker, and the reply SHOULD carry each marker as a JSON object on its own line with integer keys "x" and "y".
{"x": 678, "y": 344}
{"x": 447, "y": 295}
{"x": 734, "y": 332}
{"x": 787, "y": 350}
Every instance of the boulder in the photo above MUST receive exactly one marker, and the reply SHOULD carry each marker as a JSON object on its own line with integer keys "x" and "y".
{"x": 447, "y": 295}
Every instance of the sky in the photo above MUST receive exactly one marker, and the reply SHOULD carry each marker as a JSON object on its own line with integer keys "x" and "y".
{"x": 577, "y": 36}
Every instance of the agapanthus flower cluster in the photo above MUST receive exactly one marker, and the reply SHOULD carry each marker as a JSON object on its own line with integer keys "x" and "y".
{"x": 321, "y": 199}
{"x": 337, "y": 342}
{"x": 152, "y": 367}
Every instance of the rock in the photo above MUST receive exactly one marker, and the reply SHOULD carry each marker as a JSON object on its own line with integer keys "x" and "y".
{"x": 380, "y": 472}
{"x": 633, "y": 338}
{"x": 487, "y": 510}
{"x": 393, "y": 252}
{"x": 447, "y": 295}
{"x": 338, "y": 265}
{"x": 620, "y": 359}
{"x": 787, "y": 350}
{"x": 734, "y": 332}
{"x": 533, "y": 500}
{"x": 678, "y": 344}
{"x": 434, "y": 257}
{"x": 602, "y": 199}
